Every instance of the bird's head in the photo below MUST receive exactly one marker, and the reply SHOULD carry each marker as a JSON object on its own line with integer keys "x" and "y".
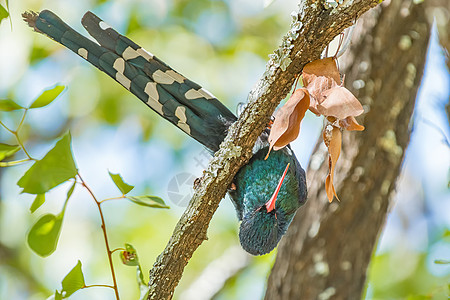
{"x": 263, "y": 225}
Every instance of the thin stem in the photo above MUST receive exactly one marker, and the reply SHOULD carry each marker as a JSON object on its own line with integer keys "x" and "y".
{"x": 105, "y": 236}
{"x": 117, "y": 249}
{"x": 22, "y": 146}
{"x": 97, "y": 285}
{"x": 113, "y": 198}
{"x": 6, "y": 127}
{"x": 13, "y": 163}
{"x": 16, "y": 135}
{"x": 21, "y": 120}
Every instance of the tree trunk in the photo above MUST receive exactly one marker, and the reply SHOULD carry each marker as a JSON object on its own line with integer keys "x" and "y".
{"x": 328, "y": 247}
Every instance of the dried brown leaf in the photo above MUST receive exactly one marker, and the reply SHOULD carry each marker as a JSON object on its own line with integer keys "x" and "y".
{"x": 351, "y": 124}
{"x": 320, "y": 75}
{"x": 340, "y": 103}
{"x": 286, "y": 126}
{"x": 313, "y": 106}
{"x": 334, "y": 150}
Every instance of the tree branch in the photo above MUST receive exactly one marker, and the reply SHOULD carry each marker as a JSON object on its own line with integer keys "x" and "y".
{"x": 312, "y": 29}
{"x": 328, "y": 247}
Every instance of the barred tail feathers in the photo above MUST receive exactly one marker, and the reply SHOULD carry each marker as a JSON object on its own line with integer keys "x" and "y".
{"x": 186, "y": 91}
{"x": 128, "y": 67}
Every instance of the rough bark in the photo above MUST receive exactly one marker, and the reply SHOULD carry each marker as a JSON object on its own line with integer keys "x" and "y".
{"x": 312, "y": 29}
{"x": 327, "y": 250}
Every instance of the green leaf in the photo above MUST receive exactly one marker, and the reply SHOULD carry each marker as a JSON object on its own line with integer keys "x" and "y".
{"x": 123, "y": 187}
{"x": 70, "y": 192}
{"x": 38, "y": 201}
{"x": 58, "y": 296}
{"x": 7, "y": 150}
{"x": 3, "y": 13}
{"x": 129, "y": 256}
{"x": 8, "y": 105}
{"x": 442, "y": 262}
{"x": 56, "y": 167}
{"x": 150, "y": 201}
{"x": 43, "y": 236}
{"x": 73, "y": 281}
{"x": 47, "y": 96}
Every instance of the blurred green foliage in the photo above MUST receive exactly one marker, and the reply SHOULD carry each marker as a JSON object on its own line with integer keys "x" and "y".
{"x": 223, "y": 45}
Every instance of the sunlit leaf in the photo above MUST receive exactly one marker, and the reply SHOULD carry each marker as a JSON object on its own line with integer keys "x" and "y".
{"x": 286, "y": 126}
{"x": 43, "y": 236}
{"x": 3, "y": 13}
{"x": 319, "y": 76}
{"x": 7, "y": 150}
{"x": 129, "y": 256}
{"x": 123, "y": 187}
{"x": 150, "y": 201}
{"x": 340, "y": 103}
{"x": 73, "y": 281}
{"x": 9, "y": 105}
{"x": 333, "y": 139}
{"x": 38, "y": 201}
{"x": 47, "y": 96}
{"x": 56, "y": 167}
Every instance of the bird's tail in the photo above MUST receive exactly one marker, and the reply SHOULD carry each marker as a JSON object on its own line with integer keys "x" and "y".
{"x": 176, "y": 98}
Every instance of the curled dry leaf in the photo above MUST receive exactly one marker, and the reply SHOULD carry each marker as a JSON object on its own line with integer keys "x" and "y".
{"x": 351, "y": 124}
{"x": 339, "y": 106}
{"x": 318, "y": 76}
{"x": 340, "y": 103}
{"x": 332, "y": 138}
{"x": 286, "y": 126}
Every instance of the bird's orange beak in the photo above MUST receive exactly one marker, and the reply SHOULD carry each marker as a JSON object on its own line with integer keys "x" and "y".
{"x": 270, "y": 205}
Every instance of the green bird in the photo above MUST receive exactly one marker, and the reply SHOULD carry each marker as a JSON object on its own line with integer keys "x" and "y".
{"x": 265, "y": 193}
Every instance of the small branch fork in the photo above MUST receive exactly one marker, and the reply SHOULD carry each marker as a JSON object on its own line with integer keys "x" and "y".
{"x": 16, "y": 135}
{"x": 314, "y": 27}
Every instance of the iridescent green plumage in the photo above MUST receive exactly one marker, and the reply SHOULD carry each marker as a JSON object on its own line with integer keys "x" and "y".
{"x": 260, "y": 230}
